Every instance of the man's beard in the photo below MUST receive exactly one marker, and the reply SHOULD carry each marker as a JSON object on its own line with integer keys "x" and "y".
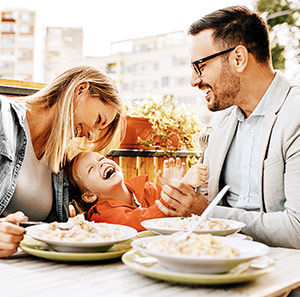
{"x": 227, "y": 88}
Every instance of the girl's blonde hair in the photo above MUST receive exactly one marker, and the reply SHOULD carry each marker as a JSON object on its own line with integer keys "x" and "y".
{"x": 59, "y": 94}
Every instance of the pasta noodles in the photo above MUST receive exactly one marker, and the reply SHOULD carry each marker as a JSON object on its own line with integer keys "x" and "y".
{"x": 185, "y": 223}
{"x": 196, "y": 245}
{"x": 80, "y": 230}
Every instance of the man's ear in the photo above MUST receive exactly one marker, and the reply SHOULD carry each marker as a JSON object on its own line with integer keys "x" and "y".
{"x": 89, "y": 197}
{"x": 82, "y": 88}
{"x": 241, "y": 57}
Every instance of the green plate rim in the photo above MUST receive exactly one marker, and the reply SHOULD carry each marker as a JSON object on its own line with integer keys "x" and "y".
{"x": 34, "y": 249}
{"x": 189, "y": 278}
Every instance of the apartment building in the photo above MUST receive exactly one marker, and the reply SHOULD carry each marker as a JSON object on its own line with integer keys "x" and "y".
{"x": 17, "y": 37}
{"x": 63, "y": 50}
{"x": 155, "y": 65}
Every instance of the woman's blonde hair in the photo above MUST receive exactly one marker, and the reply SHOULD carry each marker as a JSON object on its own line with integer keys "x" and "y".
{"x": 74, "y": 177}
{"x": 77, "y": 183}
{"x": 60, "y": 94}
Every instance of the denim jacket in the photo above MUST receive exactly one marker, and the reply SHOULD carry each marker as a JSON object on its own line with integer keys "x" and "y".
{"x": 13, "y": 141}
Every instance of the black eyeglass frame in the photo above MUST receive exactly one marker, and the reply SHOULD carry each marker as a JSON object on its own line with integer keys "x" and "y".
{"x": 195, "y": 64}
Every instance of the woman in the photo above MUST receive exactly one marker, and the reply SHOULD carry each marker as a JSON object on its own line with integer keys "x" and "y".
{"x": 35, "y": 133}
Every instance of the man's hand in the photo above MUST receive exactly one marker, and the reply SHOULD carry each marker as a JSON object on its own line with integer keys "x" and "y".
{"x": 171, "y": 170}
{"x": 182, "y": 199}
{"x": 10, "y": 233}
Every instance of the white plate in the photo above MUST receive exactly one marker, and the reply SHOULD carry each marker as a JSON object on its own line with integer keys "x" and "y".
{"x": 234, "y": 226}
{"x": 80, "y": 247}
{"x": 191, "y": 264}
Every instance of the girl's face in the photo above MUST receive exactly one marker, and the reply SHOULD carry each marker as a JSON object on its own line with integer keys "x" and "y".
{"x": 91, "y": 115}
{"x": 99, "y": 175}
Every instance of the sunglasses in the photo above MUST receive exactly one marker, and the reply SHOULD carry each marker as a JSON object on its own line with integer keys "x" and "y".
{"x": 195, "y": 64}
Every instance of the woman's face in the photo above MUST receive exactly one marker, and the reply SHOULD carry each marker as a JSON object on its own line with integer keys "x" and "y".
{"x": 91, "y": 115}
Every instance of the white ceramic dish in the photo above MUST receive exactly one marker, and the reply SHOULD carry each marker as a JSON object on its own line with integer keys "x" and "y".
{"x": 191, "y": 264}
{"x": 153, "y": 225}
{"x": 80, "y": 247}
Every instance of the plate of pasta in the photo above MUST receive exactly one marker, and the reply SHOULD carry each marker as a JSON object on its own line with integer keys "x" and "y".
{"x": 199, "y": 253}
{"x": 214, "y": 226}
{"x": 80, "y": 235}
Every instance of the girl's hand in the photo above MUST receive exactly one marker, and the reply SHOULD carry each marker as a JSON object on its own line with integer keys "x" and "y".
{"x": 196, "y": 176}
{"x": 171, "y": 170}
{"x": 10, "y": 233}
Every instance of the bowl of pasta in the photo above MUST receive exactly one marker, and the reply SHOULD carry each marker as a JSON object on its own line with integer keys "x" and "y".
{"x": 214, "y": 226}
{"x": 80, "y": 236}
{"x": 199, "y": 253}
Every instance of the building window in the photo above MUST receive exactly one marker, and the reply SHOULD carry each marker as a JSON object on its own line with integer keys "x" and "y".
{"x": 25, "y": 54}
{"x": 9, "y": 16}
{"x": 25, "y": 67}
{"x": 167, "y": 61}
{"x": 182, "y": 61}
{"x": 142, "y": 86}
{"x": 25, "y": 29}
{"x": 180, "y": 81}
{"x": 26, "y": 17}
{"x": 26, "y": 42}
{"x": 8, "y": 54}
{"x": 8, "y": 28}
{"x": 167, "y": 81}
{"x": 143, "y": 68}
{"x": 6, "y": 66}
{"x": 8, "y": 42}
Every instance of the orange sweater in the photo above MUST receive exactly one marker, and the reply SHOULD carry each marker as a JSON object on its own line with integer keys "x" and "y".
{"x": 119, "y": 212}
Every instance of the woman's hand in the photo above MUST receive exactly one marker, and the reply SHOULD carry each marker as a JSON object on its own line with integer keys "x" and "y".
{"x": 182, "y": 200}
{"x": 172, "y": 169}
{"x": 10, "y": 233}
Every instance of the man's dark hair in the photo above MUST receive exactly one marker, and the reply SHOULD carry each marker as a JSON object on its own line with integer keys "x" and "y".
{"x": 236, "y": 25}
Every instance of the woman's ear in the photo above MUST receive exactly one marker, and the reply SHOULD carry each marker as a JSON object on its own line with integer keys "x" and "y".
{"x": 82, "y": 88}
{"x": 89, "y": 197}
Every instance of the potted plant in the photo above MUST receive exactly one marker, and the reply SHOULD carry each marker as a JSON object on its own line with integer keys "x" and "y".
{"x": 167, "y": 126}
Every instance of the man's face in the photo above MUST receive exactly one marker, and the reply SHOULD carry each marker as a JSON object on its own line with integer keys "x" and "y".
{"x": 99, "y": 175}
{"x": 218, "y": 82}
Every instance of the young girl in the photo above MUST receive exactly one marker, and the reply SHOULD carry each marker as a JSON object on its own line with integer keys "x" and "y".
{"x": 108, "y": 198}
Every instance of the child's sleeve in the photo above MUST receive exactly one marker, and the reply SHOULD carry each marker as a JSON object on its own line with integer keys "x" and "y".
{"x": 124, "y": 215}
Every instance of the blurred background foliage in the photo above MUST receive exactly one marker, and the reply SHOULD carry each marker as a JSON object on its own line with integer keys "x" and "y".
{"x": 283, "y": 19}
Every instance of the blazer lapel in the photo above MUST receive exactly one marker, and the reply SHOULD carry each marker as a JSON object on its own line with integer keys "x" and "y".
{"x": 217, "y": 150}
{"x": 276, "y": 98}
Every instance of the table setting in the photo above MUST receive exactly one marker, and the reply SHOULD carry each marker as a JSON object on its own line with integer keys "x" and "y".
{"x": 193, "y": 250}
{"x": 244, "y": 268}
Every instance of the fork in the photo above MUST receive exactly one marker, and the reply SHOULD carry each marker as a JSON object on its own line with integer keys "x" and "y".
{"x": 203, "y": 142}
{"x": 209, "y": 208}
{"x": 61, "y": 226}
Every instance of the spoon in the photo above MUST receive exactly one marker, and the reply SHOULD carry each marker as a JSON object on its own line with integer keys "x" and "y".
{"x": 209, "y": 208}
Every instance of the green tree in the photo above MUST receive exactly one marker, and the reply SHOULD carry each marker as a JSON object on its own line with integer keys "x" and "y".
{"x": 283, "y": 19}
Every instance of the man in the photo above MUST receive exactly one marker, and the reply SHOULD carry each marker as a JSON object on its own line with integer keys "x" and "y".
{"x": 255, "y": 144}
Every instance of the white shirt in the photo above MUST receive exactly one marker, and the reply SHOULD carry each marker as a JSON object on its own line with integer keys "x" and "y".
{"x": 33, "y": 194}
{"x": 241, "y": 165}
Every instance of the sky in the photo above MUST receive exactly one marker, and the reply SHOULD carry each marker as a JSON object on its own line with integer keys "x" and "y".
{"x": 106, "y": 21}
